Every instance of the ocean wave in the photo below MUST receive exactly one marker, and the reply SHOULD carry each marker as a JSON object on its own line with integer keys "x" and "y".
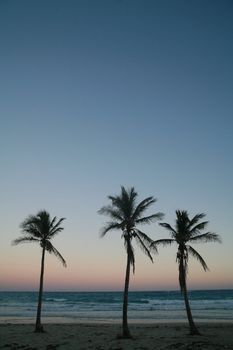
{"x": 149, "y": 305}
{"x": 56, "y": 299}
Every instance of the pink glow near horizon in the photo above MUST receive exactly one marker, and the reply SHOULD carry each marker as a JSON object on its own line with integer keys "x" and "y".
{"x": 55, "y": 281}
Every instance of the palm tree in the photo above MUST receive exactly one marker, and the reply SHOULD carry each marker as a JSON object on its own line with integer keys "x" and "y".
{"x": 125, "y": 215}
{"x": 187, "y": 231}
{"x": 41, "y": 229}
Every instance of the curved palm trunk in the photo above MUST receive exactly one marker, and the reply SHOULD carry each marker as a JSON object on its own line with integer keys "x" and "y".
{"x": 192, "y": 326}
{"x": 39, "y": 327}
{"x": 126, "y": 332}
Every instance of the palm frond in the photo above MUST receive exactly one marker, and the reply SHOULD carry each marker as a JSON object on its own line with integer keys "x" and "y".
{"x": 116, "y": 201}
{"x": 182, "y": 215}
{"x": 195, "y": 219}
{"x": 109, "y": 227}
{"x": 128, "y": 201}
{"x": 182, "y": 224}
{"x": 31, "y": 226}
{"x": 169, "y": 228}
{"x": 32, "y": 230}
{"x": 55, "y": 229}
{"x": 52, "y": 250}
{"x": 197, "y": 228}
{"x": 142, "y": 206}
{"x": 146, "y": 239}
{"x": 54, "y": 232}
{"x": 206, "y": 237}
{"x": 43, "y": 222}
{"x": 114, "y": 213}
{"x": 24, "y": 240}
{"x": 150, "y": 218}
{"x": 53, "y": 222}
{"x": 131, "y": 193}
{"x": 196, "y": 255}
{"x": 164, "y": 242}
{"x": 144, "y": 242}
{"x": 30, "y": 220}
{"x": 125, "y": 202}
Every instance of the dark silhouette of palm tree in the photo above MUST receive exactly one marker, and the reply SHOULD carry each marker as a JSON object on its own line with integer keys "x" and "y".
{"x": 41, "y": 229}
{"x": 125, "y": 215}
{"x": 187, "y": 231}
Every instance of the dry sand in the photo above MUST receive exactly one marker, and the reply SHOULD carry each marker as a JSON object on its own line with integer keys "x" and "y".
{"x": 104, "y": 337}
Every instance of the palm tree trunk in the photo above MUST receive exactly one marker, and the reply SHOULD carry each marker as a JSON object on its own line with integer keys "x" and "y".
{"x": 192, "y": 326}
{"x": 126, "y": 332}
{"x": 39, "y": 327}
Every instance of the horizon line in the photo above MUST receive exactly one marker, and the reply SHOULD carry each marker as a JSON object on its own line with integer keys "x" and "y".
{"x": 111, "y": 291}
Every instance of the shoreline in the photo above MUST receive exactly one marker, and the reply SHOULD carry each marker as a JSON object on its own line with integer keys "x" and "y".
{"x": 118, "y": 321}
{"x": 99, "y": 336}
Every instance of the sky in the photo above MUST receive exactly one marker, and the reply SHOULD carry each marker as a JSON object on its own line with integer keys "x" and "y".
{"x": 99, "y": 94}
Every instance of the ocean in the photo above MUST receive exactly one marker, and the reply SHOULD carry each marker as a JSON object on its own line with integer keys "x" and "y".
{"x": 167, "y": 306}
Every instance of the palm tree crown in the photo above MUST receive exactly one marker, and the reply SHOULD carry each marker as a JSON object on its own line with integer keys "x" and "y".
{"x": 125, "y": 215}
{"x": 41, "y": 228}
{"x": 187, "y": 231}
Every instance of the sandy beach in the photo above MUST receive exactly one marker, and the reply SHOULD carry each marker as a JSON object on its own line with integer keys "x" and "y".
{"x": 104, "y": 337}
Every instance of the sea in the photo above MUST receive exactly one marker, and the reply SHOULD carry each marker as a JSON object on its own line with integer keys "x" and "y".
{"x": 147, "y": 306}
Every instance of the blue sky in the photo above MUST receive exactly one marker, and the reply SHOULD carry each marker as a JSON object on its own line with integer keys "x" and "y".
{"x": 98, "y": 94}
